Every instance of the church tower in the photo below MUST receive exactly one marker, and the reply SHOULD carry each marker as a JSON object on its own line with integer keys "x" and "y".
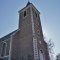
{"x": 27, "y": 42}
{"x": 32, "y": 44}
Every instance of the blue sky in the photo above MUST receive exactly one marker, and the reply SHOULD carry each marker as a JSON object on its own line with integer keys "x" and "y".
{"x": 50, "y": 18}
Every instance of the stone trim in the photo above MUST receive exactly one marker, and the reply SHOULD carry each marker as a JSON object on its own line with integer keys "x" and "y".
{"x": 35, "y": 48}
{"x": 10, "y": 50}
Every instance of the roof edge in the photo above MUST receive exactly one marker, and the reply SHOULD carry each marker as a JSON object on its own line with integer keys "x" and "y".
{"x": 7, "y": 36}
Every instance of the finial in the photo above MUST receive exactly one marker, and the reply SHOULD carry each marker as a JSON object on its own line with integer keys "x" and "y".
{"x": 28, "y": 3}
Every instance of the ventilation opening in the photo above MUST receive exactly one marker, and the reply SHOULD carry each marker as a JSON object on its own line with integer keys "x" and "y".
{"x": 24, "y": 13}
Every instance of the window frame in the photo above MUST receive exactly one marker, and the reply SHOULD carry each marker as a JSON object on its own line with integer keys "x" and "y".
{"x": 3, "y": 50}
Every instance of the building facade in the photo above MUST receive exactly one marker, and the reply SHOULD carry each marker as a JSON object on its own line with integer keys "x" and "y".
{"x": 27, "y": 42}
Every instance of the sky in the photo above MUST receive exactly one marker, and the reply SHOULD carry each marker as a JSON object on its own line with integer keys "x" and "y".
{"x": 50, "y": 18}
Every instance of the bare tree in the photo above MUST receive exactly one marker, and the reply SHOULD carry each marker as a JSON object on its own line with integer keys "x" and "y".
{"x": 50, "y": 46}
{"x": 50, "y": 49}
{"x": 58, "y": 56}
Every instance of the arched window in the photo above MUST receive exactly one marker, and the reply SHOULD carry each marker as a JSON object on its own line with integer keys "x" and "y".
{"x": 41, "y": 55}
{"x": 3, "y": 50}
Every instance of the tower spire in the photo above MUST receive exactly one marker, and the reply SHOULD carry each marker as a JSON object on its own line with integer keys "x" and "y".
{"x": 28, "y": 0}
{"x": 28, "y": 3}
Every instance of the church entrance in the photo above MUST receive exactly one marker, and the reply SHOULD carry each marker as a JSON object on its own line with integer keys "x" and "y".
{"x": 41, "y": 55}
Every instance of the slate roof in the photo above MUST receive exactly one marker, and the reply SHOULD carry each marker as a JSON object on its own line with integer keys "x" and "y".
{"x": 7, "y": 36}
{"x": 25, "y": 6}
{"x": 28, "y": 3}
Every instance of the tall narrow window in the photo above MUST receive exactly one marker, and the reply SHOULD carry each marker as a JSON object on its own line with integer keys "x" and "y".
{"x": 41, "y": 55}
{"x": 3, "y": 50}
{"x": 24, "y": 13}
{"x": 35, "y": 14}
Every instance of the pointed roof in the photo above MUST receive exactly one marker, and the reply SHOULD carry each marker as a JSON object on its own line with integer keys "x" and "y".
{"x": 28, "y": 3}
{"x": 27, "y": 6}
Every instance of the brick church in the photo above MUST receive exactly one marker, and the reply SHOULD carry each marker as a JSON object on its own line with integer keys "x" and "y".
{"x": 27, "y": 42}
